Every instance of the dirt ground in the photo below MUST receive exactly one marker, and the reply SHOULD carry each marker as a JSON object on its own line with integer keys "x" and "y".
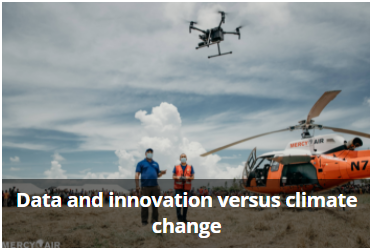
{"x": 241, "y": 227}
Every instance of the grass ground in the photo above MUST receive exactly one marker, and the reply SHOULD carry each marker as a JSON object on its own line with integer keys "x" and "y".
{"x": 241, "y": 227}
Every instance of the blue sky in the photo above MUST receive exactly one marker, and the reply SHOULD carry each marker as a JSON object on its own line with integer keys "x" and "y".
{"x": 77, "y": 78}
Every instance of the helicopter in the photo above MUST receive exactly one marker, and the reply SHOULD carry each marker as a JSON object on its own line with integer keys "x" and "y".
{"x": 311, "y": 164}
{"x": 214, "y": 36}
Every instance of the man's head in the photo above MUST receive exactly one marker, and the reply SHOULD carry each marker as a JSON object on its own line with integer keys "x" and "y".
{"x": 183, "y": 157}
{"x": 149, "y": 153}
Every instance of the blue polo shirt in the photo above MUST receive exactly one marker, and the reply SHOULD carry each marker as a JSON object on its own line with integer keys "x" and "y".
{"x": 149, "y": 172}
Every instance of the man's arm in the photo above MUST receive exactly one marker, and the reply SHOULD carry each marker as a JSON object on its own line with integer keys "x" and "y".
{"x": 161, "y": 173}
{"x": 174, "y": 174}
{"x": 192, "y": 175}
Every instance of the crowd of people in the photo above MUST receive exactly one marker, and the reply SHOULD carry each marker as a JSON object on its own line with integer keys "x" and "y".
{"x": 10, "y": 197}
{"x": 355, "y": 189}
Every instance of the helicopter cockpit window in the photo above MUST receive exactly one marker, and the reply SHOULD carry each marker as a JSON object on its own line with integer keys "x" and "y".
{"x": 251, "y": 159}
{"x": 275, "y": 165}
{"x": 262, "y": 162}
{"x": 261, "y": 169}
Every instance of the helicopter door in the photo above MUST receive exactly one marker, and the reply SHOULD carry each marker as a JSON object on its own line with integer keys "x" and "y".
{"x": 250, "y": 162}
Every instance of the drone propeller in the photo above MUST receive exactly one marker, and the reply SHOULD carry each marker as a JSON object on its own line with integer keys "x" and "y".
{"x": 305, "y": 124}
{"x": 238, "y": 31}
{"x": 221, "y": 12}
{"x": 190, "y": 25}
{"x": 188, "y": 21}
{"x": 223, "y": 15}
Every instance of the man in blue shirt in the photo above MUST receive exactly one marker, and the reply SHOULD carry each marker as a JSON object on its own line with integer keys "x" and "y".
{"x": 149, "y": 171}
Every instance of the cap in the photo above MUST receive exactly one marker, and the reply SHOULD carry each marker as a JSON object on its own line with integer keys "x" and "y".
{"x": 149, "y": 149}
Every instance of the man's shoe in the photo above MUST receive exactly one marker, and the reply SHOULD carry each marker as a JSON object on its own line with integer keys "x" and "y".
{"x": 144, "y": 223}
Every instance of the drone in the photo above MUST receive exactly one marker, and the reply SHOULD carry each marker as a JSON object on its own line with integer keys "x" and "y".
{"x": 213, "y": 36}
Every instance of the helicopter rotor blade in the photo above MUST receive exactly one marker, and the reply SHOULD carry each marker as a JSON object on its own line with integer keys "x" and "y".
{"x": 317, "y": 108}
{"x": 341, "y": 130}
{"x": 241, "y": 141}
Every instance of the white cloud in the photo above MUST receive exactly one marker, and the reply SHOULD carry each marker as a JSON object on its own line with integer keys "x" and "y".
{"x": 231, "y": 157}
{"x": 14, "y": 159}
{"x": 126, "y": 163}
{"x": 14, "y": 169}
{"x": 163, "y": 133}
{"x": 57, "y": 157}
{"x": 84, "y": 171}
{"x": 164, "y": 118}
{"x": 55, "y": 171}
{"x": 27, "y": 146}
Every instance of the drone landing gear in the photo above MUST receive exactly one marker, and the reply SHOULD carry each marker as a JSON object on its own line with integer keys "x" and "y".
{"x": 220, "y": 54}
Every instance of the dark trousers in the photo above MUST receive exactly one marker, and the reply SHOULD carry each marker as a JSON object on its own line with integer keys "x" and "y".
{"x": 179, "y": 214}
{"x": 150, "y": 191}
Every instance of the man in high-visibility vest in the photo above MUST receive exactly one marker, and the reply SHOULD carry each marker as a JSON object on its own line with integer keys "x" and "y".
{"x": 183, "y": 174}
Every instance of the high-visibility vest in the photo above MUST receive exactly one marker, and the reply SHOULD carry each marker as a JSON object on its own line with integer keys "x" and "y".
{"x": 180, "y": 184}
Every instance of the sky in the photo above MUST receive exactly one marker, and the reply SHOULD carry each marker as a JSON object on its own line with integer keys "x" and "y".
{"x": 88, "y": 87}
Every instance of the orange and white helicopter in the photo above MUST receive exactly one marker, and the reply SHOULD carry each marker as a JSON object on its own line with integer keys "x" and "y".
{"x": 311, "y": 164}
